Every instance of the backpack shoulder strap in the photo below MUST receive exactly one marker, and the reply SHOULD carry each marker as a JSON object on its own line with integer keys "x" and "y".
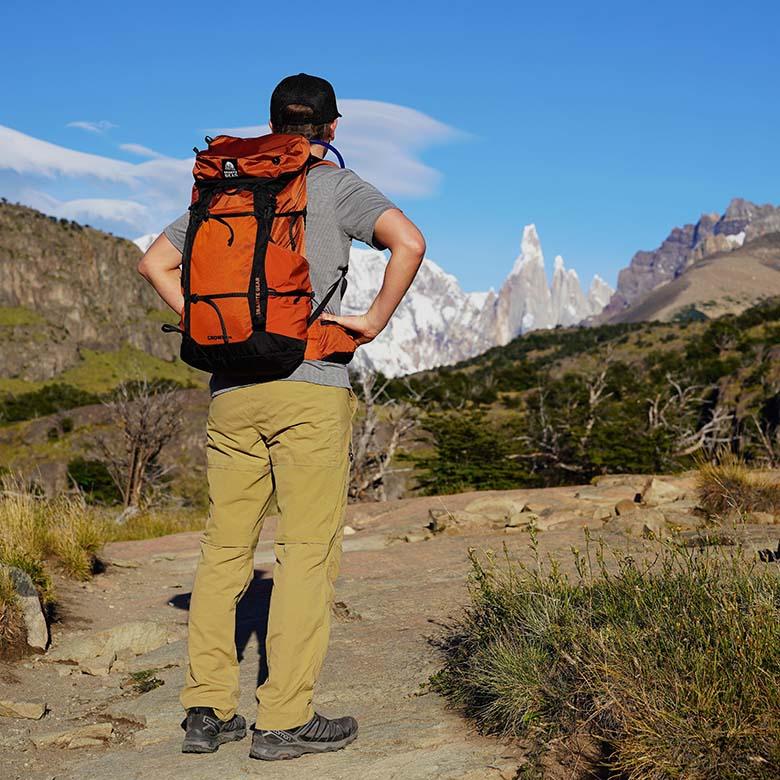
{"x": 342, "y": 280}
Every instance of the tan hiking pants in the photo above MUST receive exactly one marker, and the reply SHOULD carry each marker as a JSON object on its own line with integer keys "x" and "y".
{"x": 293, "y": 438}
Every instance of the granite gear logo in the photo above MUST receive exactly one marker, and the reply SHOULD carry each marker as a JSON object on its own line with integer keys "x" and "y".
{"x": 229, "y": 169}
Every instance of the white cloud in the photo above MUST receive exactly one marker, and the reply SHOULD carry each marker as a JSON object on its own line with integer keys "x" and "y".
{"x": 92, "y": 127}
{"x": 110, "y": 210}
{"x": 381, "y": 141}
{"x": 141, "y": 151}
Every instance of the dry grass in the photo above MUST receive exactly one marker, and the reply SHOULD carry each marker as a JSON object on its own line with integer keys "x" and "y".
{"x": 37, "y": 534}
{"x": 669, "y": 664}
{"x": 151, "y": 524}
{"x": 730, "y": 488}
{"x": 75, "y": 536}
{"x": 12, "y": 635}
{"x": 24, "y": 537}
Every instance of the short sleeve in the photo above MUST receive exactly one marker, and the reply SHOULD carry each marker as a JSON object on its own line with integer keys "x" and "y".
{"x": 358, "y": 206}
{"x": 177, "y": 230}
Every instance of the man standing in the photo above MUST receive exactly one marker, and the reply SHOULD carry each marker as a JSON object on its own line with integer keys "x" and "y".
{"x": 290, "y": 436}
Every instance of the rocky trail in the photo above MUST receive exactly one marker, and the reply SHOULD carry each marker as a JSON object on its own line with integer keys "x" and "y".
{"x": 102, "y": 702}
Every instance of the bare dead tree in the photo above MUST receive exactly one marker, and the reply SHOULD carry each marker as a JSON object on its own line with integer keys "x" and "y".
{"x": 597, "y": 386}
{"x": 374, "y": 441}
{"x": 148, "y": 416}
{"x": 678, "y": 412}
{"x": 550, "y": 444}
{"x": 708, "y": 437}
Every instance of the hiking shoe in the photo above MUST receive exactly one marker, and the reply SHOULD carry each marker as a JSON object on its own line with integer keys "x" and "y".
{"x": 319, "y": 735}
{"x": 205, "y": 732}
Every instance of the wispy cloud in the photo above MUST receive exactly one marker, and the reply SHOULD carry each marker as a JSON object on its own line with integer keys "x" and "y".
{"x": 141, "y": 151}
{"x": 381, "y": 141}
{"x": 92, "y": 127}
{"x": 31, "y": 156}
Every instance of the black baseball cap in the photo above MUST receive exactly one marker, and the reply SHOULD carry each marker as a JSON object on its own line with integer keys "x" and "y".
{"x": 305, "y": 90}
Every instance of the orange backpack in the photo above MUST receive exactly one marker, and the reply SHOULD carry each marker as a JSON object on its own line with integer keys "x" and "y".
{"x": 248, "y": 302}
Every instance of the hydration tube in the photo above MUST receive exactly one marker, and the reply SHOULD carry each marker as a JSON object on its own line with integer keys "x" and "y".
{"x": 332, "y": 149}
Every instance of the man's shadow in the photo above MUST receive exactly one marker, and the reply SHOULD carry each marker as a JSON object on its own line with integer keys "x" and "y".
{"x": 251, "y": 617}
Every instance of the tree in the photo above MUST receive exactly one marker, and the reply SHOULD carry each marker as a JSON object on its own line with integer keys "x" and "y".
{"x": 470, "y": 453}
{"x": 148, "y": 415}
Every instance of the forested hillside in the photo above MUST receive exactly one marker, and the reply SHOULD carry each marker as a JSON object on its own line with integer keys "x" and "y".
{"x": 564, "y": 406}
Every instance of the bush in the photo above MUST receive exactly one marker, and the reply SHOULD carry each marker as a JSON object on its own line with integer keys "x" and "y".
{"x": 75, "y": 536}
{"x": 93, "y": 478}
{"x": 23, "y": 538}
{"x": 730, "y": 487}
{"x": 669, "y": 664}
{"x": 36, "y": 532}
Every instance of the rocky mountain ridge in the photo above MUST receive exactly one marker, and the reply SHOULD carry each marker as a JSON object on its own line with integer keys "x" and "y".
{"x": 743, "y": 221}
{"x": 64, "y": 288}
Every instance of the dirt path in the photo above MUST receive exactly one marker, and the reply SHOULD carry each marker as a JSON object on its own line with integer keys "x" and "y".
{"x": 394, "y": 594}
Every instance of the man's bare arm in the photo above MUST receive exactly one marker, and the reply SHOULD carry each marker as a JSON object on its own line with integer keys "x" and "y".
{"x": 407, "y": 249}
{"x": 160, "y": 267}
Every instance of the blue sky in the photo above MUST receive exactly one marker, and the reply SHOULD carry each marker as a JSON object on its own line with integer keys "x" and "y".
{"x": 604, "y": 123}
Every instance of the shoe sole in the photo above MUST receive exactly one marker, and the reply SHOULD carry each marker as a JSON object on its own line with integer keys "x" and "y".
{"x": 212, "y": 745}
{"x": 295, "y": 750}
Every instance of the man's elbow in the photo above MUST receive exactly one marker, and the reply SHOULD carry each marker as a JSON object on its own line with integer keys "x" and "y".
{"x": 414, "y": 244}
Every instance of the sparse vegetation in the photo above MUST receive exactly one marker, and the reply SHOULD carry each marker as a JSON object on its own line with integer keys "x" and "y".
{"x": 143, "y": 681}
{"x": 153, "y": 523}
{"x": 13, "y": 316}
{"x": 96, "y": 375}
{"x": 667, "y": 663}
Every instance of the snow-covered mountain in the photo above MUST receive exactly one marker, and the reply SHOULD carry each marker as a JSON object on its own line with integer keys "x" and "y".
{"x": 437, "y": 323}
{"x": 434, "y": 325}
{"x": 144, "y": 242}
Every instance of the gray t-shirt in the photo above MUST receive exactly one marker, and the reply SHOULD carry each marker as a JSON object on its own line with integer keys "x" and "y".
{"x": 341, "y": 207}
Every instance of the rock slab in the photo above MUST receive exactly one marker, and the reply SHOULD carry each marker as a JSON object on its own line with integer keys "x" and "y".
{"x": 85, "y": 736}
{"x": 22, "y": 709}
{"x": 96, "y": 652}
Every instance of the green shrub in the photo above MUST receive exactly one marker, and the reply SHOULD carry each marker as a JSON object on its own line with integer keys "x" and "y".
{"x": 93, "y": 478}
{"x": 470, "y": 453}
{"x": 671, "y": 665}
